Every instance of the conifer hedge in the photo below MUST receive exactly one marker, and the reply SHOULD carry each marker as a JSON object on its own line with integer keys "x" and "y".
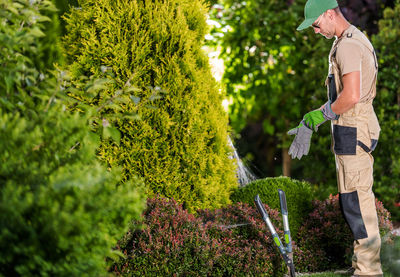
{"x": 180, "y": 144}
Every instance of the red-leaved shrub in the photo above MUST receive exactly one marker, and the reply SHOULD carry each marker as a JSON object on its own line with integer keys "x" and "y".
{"x": 174, "y": 242}
{"x": 256, "y": 236}
{"x": 246, "y": 239}
{"x": 326, "y": 235}
{"x": 232, "y": 241}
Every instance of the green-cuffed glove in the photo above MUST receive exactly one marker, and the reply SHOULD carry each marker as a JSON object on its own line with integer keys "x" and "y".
{"x": 311, "y": 121}
{"x": 315, "y": 118}
{"x": 301, "y": 143}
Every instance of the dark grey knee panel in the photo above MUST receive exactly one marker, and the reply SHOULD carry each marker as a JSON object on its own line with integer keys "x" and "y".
{"x": 350, "y": 206}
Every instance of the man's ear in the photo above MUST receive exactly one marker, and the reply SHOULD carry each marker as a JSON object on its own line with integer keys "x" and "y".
{"x": 331, "y": 14}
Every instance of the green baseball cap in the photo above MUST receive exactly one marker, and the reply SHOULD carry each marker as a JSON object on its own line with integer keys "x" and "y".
{"x": 313, "y": 9}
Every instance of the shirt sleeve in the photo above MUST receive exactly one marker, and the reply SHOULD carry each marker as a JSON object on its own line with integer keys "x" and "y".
{"x": 349, "y": 57}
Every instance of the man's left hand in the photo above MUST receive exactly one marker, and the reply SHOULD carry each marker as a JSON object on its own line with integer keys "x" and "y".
{"x": 315, "y": 118}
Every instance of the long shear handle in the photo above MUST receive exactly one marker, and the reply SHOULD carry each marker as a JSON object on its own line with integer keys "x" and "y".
{"x": 292, "y": 271}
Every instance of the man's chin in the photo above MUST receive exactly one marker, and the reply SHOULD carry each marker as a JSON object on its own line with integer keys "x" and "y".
{"x": 328, "y": 36}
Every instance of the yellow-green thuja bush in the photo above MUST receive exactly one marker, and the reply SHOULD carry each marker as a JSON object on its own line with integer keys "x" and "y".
{"x": 153, "y": 51}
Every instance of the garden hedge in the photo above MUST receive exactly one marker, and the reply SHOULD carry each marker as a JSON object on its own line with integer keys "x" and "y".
{"x": 180, "y": 146}
{"x": 61, "y": 211}
{"x": 174, "y": 242}
{"x": 299, "y": 197}
{"x": 234, "y": 241}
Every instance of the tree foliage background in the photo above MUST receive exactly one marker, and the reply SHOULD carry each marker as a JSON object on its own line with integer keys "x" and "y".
{"x": 275, "y": 74}
{"x": 387, "y": 106}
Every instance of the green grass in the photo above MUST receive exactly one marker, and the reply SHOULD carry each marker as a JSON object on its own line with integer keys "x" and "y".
{"x": 326, "y": 274}
{"x": 331, "y": 274}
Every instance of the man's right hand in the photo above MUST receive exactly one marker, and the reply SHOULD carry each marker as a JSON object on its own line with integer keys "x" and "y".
{"x": 301, "y": 143}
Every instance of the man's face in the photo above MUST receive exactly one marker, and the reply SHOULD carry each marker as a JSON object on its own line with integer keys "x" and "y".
{"x": 322, "y": 26}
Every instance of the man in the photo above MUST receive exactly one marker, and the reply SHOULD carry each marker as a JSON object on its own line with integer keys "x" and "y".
{"x": 351, "y": 84}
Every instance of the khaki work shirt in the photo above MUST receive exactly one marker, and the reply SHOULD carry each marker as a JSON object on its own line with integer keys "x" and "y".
{"x": 351, "y": 56}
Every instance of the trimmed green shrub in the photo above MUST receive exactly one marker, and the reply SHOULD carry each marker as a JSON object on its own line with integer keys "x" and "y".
{"x": 60, "y": 210}
{"x": 180, "y": 146}
{"x": 298, "y": 195}
{"x": 326, "y": 234}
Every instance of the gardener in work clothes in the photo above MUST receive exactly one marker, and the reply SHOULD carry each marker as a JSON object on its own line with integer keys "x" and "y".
{"x": 351, "y": 84}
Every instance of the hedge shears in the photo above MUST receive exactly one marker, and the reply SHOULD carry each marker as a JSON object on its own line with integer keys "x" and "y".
{"x": 285, "y": 250}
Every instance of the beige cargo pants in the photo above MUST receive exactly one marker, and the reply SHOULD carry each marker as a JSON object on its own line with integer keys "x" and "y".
{"x": 357, "y": 201}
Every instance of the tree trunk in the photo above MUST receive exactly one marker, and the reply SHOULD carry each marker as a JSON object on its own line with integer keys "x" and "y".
{"x": 286, "y": 162}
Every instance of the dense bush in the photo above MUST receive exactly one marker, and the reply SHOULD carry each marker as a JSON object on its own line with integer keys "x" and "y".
{"x": 247, "y": 241}
{"x": 387, "y": 107}
{"x": 233, "y": 241}
{"x": 60, "y": 210}
{"x": 180, "y": 146}
{"x": 176, "y": 242}
{"x": 298, "y": 194}
{"x": 234, "y": 218}
{"x": 326, "y": 234}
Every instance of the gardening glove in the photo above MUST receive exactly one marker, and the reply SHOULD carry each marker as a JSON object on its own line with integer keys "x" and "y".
{"x": 315, "y": 118}
{"x": 301, "y": 143}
